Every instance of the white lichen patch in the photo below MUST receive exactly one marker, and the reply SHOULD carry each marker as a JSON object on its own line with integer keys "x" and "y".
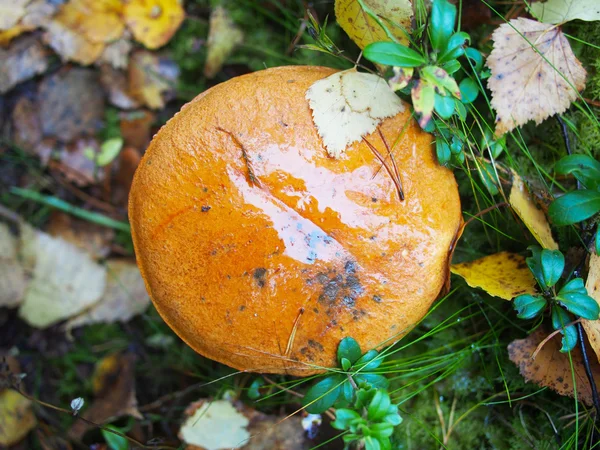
{"x": 349, "y": 105}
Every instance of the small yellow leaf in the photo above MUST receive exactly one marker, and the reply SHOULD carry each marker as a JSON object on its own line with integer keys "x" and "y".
{"x": 8, "y": 35}
{"x": 70, "y": 45}
{"x": 364, "y": 30}
{"x": 528, "y": 63}
{"x": 533, "y": 218}
{"x": 150, "y": 79}
{"x": 559, "y": 11}
{"x": 153, "y": 22}
{"x": 592, "y": 327}
{"x": 99, "y": 21}
{"x": 16, "y": 417}
{"x": 503, "y": 275}
{"x": 223, "y": 37}
{"x": 349, "y": 105}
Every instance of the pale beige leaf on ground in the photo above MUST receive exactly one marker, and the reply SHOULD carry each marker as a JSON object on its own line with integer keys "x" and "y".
{"x": 222, "y": 424}
{"x": 124, "y": 298}
{"x": 25, "y": 58}
{"x": 16, "y": 417}
{"x": 559, "y": 11}
{"x": 11, "y": 12}
{"x": 113, "y": 383}
{"x": 533, "y": 217}
{"x": 223, "y": 37}
{"x": 526, "y": 83}
{"x": 38, "y": 13}
{"x": 348, "y": 105}
{"x": 592, "y": 327}
{"x": 12, "y": 275}
{"x": 364, "y": 30}
{"x": 65, "y": 281}
{"x": 503, "y": 275}
{"x": 551, "y": 368}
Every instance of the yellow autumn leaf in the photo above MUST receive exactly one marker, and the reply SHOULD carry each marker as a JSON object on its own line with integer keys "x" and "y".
{"x": 99, "y": 21}
{"x": 38, "y": 13}
{"x": 8, "y": 35}
{"x": 534, "y": 73}
{"x": 16, "y": 417}
{"x": 146, "y": 82}
{"x": 533, "y": 218}
{"x": 364, "y": 30}
{"x": 153, "y": 22}
{"x": 223, "y": 37}
{"x": 592, "y": 327}
{"x": 70, "y": 45}
{"x": 503, "y": 275}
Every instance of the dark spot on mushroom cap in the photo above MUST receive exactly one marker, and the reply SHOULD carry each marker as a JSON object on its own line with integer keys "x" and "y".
{"x": 205, "y": 208}
{"x": 260, "y": 276}
{"x": 316, "y": 345}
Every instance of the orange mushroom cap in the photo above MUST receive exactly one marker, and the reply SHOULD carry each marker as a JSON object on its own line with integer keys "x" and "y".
{"x": 262, "y": 252}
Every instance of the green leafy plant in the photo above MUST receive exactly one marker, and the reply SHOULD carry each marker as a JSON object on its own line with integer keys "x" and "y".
{"x": 339, "y": 389}
{"x": 547, "y": 267}
{"x": 371, "y": 420}
{"x": 582, "y": 204}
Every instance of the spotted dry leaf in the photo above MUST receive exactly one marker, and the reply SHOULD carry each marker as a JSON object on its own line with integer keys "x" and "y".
{"x": 534, "y": 73}
{"x": 551, "y": 368}
{"x": 503, "y": 275}
{"x": 592, "y": 327}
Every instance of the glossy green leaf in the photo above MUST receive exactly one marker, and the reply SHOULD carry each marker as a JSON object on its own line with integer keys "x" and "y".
{"x": 456, "y": 46}
{"x": 372, "y": 443}
{"x": 379, "y": 405}
{"x": 323, "y": 395}
{"x": 444, "y": 106}
{"x": 343, "y": 417}
{"x": 346, "y": 364}
{"x": 372, "y": 379}
{"x": 114, "y": 441}
{"x": 369, "y": 361}
{"x": 443, "y": 18}
{"x": 349, "y": 349}
{"x": 254, "y": 389}
{"x": 393, "y": 54}
{"x": 382, "y": 430}
{"x": 580, "y": 304}
{"x": 560, "y": 318}
{"x": 585, "y": 168}
{"x": 475, "y": 57}
{"x": 347, "y": 394}
{"x": 393, "y": 418}
{"x": 469, "y": 90}
{"x": 442, "y": 150}
{"x": 597, "y": 241}
{"x": 534, "y": 262}
{"x": 461, "y": 110}
{"x": 451, "y": 66}
{"x": 575, "y": 286}
{"x": 553, "y": 264}
{"x": 109, "y": 150}
{"x": 574, "y": 207}
{"x": 488, "y": 177}
{"x": 528, "y": 306}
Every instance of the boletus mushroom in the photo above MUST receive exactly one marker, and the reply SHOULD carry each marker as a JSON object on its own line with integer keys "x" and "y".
{"x": 262, "y": 251}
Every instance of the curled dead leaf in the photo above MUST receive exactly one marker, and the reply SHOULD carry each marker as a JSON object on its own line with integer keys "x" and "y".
{"x": 503, "y": 275}
{"x": 534, "y": 73}
{"x": 551, "y": 368}
{"x": 533, "y": 218}
{"x": 153, "y": 22}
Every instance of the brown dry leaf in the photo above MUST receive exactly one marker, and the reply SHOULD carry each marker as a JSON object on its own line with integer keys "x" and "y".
{"x": 533, "y": 218}
{"x": 363, "y": 30}
{"x": 11, "y": 12}
{"x": 26, "y": 124}
{"x": 526, "y": 82}
{"x": 223, "y": 37}
{"x": 76, "y": 165}
{"x": 24, "y": 59}
{"x": 16, "y": 417}
{"x": 129, "y": 159}
{"x": 219, "y": 424}
{"x": 153, "y": 22}
{"x": 551, "y": 368}
{"x": 98, "y": 21}
{"x": 124, "y": 298}
{"x": 114, "y": 390}
{"x": 592, "y": 327}
{"x": 12, "y": 275}
{"x": 152, "y": 79}
{"x": 70, "y": 45}
{"x": 92, "y": 238}
{"x": 503, "y": 275}
{"x": 65, "y": 281}
{"x": 116, "y": 85}
{"x": 117, "y": 53}
{"x": 71, "y": 103}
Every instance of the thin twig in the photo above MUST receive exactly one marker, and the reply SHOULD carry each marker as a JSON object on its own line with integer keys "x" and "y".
{"x": 485, "y": 211}
{"x": 550, "y": 336}
{"x": 387, "y": 168}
